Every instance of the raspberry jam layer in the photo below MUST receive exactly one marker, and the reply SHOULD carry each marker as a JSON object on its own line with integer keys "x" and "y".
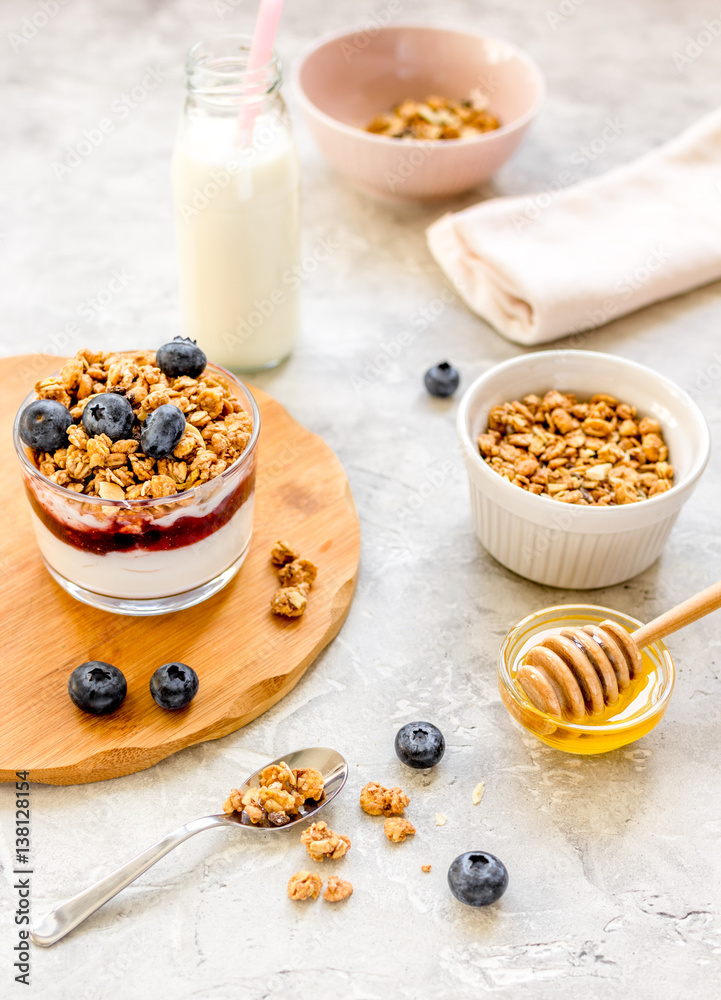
{"x": 123, "y": 535}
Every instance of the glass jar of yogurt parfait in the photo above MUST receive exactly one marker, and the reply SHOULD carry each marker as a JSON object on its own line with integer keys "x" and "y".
{"x": 151, "y": 555}
{"x": 236, "y": 188}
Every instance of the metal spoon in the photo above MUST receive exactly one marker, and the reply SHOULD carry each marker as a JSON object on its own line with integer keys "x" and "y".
{"x": 64, "y": 918}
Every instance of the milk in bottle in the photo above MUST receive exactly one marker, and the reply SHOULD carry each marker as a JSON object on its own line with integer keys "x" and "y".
{"x": 236, "y": 187}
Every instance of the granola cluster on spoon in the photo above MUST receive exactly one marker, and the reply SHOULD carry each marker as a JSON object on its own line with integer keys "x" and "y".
{"x": 279, "y": 795}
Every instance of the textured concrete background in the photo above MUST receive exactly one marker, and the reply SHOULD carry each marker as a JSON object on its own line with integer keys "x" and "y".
{"x": 613, "y": 861}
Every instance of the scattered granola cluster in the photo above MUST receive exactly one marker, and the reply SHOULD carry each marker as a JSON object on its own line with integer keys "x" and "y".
{"x": 337, "y": 889}
{"x": 216, "y": 433}
{"x": 379, "y": 801}
{"x": 321, "y": 842}
{"x": 304, "y": 885}
{"x": 594, "y": 454}
{"x": 296, "y": 577}
{"x": 397, "y": 828}
{"x": 307, "y": 885}
{"x": 279, "y": 795}
{"x": 390, "y": 802}
{"x": 437, "y": 118}
{"x": 277, "y": 799}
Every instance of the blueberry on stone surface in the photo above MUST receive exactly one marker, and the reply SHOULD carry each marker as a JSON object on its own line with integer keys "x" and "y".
{"x": 44, "y": 425}
{"x": 111, "y": 414}
{"x": 174, "y": 685}
{"x": 477, "y": 878}
{"x": 162, "y": 431}
{"x": 181, "y": 356}
{"x": 442, "y": 380}
{"x": 96, "y": 687}
{"x": 420, "y": 744}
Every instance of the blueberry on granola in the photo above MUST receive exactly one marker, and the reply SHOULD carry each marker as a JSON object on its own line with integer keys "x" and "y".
{"x": 181, "y": 357}
{"x": 97, "y": 687}
{"x": 109, "y": 413}
{"x": 477, "y": 878}
{"x": 420, "y": 744}
{"x": 174, "y": 685}
{"x": 44, "y": 424}
{"x": 442, "y": 380}
{"x": 162, "y": 431}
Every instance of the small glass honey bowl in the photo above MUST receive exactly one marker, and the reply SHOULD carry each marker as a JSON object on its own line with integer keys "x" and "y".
{"x": 639, "y": 708}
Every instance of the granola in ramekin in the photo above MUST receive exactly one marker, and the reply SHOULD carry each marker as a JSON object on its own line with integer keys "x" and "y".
{"x": 597, "y": 453}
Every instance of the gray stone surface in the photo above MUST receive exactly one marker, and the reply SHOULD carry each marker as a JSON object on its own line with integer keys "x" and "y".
{"x": 614, "y": 861}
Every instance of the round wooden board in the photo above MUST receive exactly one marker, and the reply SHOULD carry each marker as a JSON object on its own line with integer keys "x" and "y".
{"x": 246, "y": 658}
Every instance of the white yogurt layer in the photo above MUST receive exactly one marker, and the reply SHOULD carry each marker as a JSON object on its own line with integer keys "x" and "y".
{"x": 140, "y": 573}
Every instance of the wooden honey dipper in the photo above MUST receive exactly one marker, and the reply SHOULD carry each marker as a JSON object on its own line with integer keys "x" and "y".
{"x": 578, "y": 671}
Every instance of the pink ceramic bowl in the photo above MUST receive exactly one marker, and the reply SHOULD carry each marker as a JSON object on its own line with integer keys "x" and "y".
{"x": 344, "y": 80}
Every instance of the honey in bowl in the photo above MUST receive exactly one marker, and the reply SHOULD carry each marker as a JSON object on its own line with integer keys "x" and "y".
{"x": 638, "y": 709}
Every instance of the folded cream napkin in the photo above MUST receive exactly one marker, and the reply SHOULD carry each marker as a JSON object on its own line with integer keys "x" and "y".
{"x": 537, "y": 267}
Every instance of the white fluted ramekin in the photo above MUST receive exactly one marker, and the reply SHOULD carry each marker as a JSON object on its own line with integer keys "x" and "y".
{"x": 566, "y": 545}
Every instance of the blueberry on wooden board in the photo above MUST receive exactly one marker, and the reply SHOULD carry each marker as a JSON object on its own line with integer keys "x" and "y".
{"x": 174, "y": 685}
{"x": 97, "y": 687}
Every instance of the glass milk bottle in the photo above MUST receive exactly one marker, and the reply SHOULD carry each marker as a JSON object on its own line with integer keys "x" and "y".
{"x": 236, "y": 188}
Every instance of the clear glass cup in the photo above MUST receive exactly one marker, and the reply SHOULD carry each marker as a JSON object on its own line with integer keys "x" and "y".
{"x": 236, "y": 188}
{"x": 640, "y": 707}
{"x": 149, "y": 556}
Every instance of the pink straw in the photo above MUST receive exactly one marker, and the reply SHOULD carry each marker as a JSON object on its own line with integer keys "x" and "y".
{"x": 261, "y": 52}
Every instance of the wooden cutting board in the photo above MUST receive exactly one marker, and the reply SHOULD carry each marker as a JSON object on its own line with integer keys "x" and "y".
{"x": 246, "y": 658}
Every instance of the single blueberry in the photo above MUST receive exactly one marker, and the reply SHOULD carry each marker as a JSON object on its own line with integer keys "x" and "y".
{"x": 111, "y": 414}
{"x": 96, "y": 687}
{"x": 420, "y": 744}
{"x": 162, "y": 431}
{"x": 44, "y": 425}
{"x": 174, "y": 685}
{"x": 442, "y": 380}
{"x": 181, "y": 356}
{"x": 477, "y": 878}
